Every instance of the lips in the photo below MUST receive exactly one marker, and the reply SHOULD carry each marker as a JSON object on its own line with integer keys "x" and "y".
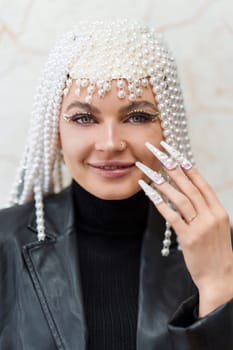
{"x": 112, "y": 165}
{"x": 112, "y": 169}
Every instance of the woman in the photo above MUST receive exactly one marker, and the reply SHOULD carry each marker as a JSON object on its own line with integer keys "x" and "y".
{"x": 87, "y": 266}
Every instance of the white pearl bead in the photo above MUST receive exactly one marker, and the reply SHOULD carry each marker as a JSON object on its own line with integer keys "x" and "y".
{"x": 131, "y": 87}
{"x": 161, "y": 106}
{"x": 84, "y": 82}
{"x": 107, "y": 86}
{"x": 132, "y": 97}
{"x": 138, "y": 92}
{"x": 167, "y": 234}
{"x": 90, "y": 89}
{"x": 166, "y": 132}
{"x": 163, "y": 116}
{"x": 164, "y": 124}
{"x": 156, "y": 89}
{"x": 120, "y": 84}
{"x": 145, "y": 82}
{"x": 166, "y": 242}
{"x": 101, "y": 92}
{"x": 152, "y": 80}
{"x": 165, "y": 252}
{"x": 121, "y": 94}
{"x": 88, "y": 99}
{"x": 159, "y": 98}
{"x": 151, "y": 71}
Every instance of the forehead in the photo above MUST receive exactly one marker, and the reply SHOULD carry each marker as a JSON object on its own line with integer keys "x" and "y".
{"x": 110, "y": 102}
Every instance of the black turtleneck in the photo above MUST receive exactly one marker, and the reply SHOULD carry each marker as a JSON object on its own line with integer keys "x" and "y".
{"x": 109, "y": 238}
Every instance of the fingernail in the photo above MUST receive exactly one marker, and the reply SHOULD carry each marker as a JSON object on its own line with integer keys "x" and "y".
{"x": 150, "y": 192}
{"x": 184, "y": 163}
{"x": 153, "y": 175}
{"x": 169, "y": 163}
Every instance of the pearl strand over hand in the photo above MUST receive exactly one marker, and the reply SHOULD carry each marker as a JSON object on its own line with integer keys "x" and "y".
{"x": 94, "y": 54}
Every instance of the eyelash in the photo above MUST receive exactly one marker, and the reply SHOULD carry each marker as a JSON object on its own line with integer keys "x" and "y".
{"x": 148, "y": 117}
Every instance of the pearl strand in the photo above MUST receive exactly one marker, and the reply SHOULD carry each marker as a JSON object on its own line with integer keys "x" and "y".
{"x": 39, "y": 211}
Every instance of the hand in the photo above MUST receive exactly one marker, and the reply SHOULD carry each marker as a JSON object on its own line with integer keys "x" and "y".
{"x": 200, "y": 222}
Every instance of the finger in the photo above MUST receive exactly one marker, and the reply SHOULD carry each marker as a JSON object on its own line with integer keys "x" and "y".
{"x": 204, "y": 187}
{"x": 206, "y": 191}
{"x": 195, "y": 177}
{"x": 168, "y": 213}
{"x": 215, "y": 206}
{"x": 184, "y": 184}
{"x": 179, "y": 178}
{"x": 181, "y": 202}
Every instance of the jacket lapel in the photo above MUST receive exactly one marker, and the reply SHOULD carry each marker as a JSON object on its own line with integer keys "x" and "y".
{"x": 164, "y": 284}
{"x": 54, "y": 268}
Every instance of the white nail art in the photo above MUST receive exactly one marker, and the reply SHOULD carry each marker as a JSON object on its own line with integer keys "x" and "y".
{"x": 150, "y": 192}
{"x": 168, "y": 162}
{"x": 153, "y": 175}
{"x": 185, "y": 163}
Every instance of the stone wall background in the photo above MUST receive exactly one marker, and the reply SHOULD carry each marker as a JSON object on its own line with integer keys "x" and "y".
{"x": 200, "y": 34}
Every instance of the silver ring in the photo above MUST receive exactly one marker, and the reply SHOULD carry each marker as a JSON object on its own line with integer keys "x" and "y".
{"x": 192, "y": 218}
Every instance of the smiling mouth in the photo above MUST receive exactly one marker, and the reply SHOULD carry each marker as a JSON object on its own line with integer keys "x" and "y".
{"x": 112, "y": 167}
{"x": 112, "y": 171}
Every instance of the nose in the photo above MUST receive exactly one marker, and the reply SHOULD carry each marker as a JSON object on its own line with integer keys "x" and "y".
{"x": 109, "y": 139}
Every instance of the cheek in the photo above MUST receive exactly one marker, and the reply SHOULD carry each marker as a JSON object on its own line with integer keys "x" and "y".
{"x": 74, "y": 145}
{"x": 152, "y": 133}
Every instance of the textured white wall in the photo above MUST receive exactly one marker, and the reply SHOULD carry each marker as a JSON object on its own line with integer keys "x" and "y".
{"x": 199, "y": 32}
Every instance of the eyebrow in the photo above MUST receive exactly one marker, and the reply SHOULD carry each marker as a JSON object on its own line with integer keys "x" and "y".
{"x": 86, "y": 106}
{"x": 126, "y": 109}
{"x": 137, "y": 104}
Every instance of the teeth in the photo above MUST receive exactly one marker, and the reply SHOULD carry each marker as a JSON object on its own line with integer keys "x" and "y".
{"x": 111, "y": 167}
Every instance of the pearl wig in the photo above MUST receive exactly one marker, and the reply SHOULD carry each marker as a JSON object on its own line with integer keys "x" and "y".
{"x": 93, "y": 54}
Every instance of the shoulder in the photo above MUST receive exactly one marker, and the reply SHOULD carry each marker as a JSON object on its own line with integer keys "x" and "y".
{"x": 14, "y": 216}
{"x": 15, "y": 220}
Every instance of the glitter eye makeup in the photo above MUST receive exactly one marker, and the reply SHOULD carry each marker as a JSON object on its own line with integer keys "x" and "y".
{"x": 150, "y": 117}
{"x": 77, "y": 117}
{"x": 143, "y": 117}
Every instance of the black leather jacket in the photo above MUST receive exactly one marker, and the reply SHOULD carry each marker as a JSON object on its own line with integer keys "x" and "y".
{"x": 41, "y": 304}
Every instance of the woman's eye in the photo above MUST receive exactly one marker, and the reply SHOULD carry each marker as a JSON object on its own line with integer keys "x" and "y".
{"x": 140, "y": 118}
{"x": 83, "y": 119}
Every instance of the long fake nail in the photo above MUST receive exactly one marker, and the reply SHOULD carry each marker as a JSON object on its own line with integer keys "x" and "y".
{"x": 168, "y": 162}
{"x": 184, "y": 163}
{"x": 153, "y": 175}
{"x": 150, "y": 192}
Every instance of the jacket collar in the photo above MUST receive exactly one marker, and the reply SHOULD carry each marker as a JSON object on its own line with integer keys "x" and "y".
{"x": 60, "y": 293}
{"x": 56, "y": 225}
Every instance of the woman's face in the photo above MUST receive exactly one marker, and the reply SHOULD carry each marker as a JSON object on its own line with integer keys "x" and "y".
{"x": 108, "y": 130}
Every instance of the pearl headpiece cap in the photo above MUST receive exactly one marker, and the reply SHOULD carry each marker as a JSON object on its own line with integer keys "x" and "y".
{"x": 115, "y": 51}
{"x": 130, "y": 53}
